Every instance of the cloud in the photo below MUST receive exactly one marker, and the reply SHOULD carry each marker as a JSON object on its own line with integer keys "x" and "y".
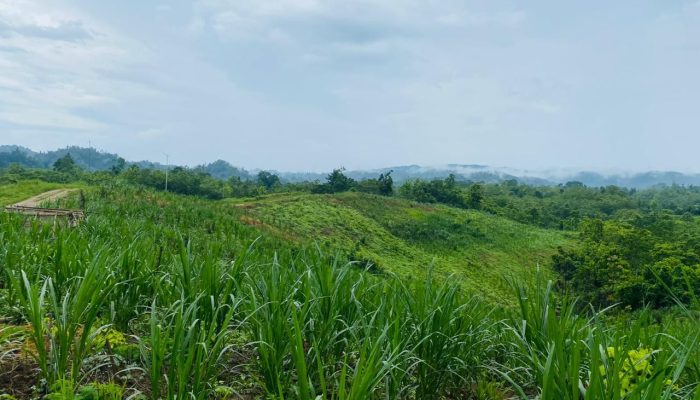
{"x": 504, "y": 19}
{"x": 57, "y": 66}
{"x": 23, "y": 18}
{"x": 69, "y": 31}
{"x": 43, "y": 117}
{"x": 335, "y": 21}
{"x": 309, "y": 84}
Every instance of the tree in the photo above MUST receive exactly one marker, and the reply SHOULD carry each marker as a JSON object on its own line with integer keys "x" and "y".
{"x": 338, "y": 182}
{"x": 383, "y": 186}
{"x": 16, "y": 157}
{"x": 476, "y": 195}
{"x": 592, "y": 229}
{"x": 244, "y": 188}
{"x": 268, "y": 179}
{"x": 65, "y": 164}
{"x": 118, "y": 166}
{"x": 436, "y": 191}
{"x": 15, "y": 168}
{"x": 386, "y": 184}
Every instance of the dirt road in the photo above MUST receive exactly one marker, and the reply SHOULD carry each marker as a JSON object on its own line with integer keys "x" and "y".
{"x": 38, "y": 200}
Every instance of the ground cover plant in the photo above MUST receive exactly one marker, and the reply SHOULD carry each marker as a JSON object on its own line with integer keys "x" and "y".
{"x": 158, "y": 295}
{"x": 404, "y": 237}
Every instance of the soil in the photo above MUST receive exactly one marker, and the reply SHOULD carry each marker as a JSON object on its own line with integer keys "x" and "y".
{"x": 51, "y": 195}
{"x": 18, "y": 377}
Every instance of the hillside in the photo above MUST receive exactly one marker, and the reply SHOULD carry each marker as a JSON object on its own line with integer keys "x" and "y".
{"x": 181, "y": 294}
{"x": 391, "y": 234}
{"x": 407, "y": 238}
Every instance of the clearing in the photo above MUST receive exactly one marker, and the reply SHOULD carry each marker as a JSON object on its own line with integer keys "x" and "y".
{"x": 34, "y": 207}
{"x": 38, "y": 200}
{"x": 408, "y": 239}
{"x": 19, "y": 191}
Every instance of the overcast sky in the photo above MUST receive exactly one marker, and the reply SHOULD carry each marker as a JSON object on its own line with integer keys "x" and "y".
{"x": 312, "y": 84}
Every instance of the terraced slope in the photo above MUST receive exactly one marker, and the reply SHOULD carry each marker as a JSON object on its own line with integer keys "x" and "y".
{"x": 408, "y": 239}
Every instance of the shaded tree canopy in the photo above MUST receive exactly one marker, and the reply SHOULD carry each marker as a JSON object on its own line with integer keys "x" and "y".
{"x": 268, "y": 179}
{"x": 65, "y": 164}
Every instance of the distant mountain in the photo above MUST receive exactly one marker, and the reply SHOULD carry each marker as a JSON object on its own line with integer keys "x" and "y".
{"x": 4, "y": 148}
{"x": 403, "y": 173}
{"x": 87, "y": 158}
{"x": 637, "y": 180}
{"x": 482, "y": 173}
{"x": 17, "y": 155}
{"x": 221, "y": 169}
{"x": 94, "y": 160}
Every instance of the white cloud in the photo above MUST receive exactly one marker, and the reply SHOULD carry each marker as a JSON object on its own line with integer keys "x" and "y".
{"x": 25, "y": 13}
{"x": 44, "y": 117}
{"x": 332, "y": 21}
{"x": 56, "y": 66}
{"x": 284, "y": 84}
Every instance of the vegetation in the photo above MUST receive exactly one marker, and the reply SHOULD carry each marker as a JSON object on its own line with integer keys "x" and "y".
{"x": 435, "y": 191}
{"x": 15, "y": 192}
{"x": 406, "y": 238}
{"x": 438, "y": 290}
{"x": 651, "y": 261}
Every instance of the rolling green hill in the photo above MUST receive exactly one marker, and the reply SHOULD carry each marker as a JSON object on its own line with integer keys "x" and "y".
{"x": 393, "y": 235}
{"x": 217, "y": 297}
{"x": 407, "y": 238}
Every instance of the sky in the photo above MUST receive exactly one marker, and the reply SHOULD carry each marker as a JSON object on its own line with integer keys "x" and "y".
{"x": 310, "y": 85}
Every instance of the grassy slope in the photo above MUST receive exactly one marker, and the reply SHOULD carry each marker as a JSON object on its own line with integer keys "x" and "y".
{"x": 396, "y": 235}
{"x": 12, "y": 193}
{"x": 406, "y": 238}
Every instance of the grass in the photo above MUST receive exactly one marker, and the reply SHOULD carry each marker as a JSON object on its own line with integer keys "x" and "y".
{"x": 227, "y": 301}
{"x": 571, "y": 356}
{"x": 22, "y": 190}
{"x": 402, "y": 237}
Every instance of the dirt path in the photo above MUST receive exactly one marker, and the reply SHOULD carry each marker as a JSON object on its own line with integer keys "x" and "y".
{"x": 38, "y": 200}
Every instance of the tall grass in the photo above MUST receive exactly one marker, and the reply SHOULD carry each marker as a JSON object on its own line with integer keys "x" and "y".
{"x": 183, "y": 352}
{"x": 565, "y": 355}
{"x": 62, "y": 327}
{"x": 180, "y": 276}
{"x": 451, "y": 336}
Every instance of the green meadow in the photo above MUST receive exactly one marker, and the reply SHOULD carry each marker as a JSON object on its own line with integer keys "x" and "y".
{"x": 407, "y": 238}
{"x": 298, "y": 295}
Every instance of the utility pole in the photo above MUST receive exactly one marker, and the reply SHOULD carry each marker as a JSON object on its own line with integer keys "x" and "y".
{"x": 167, "y": 157}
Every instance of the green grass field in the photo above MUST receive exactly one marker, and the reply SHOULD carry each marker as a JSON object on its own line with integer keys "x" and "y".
{"x": 161, "y": 296}
{"x": 406, "y": 238}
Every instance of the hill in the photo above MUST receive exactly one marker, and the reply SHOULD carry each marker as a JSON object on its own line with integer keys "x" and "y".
{"x": 183, "y": 296}
{"x": 92, "y": 159}
{"x": 407, "y": 238}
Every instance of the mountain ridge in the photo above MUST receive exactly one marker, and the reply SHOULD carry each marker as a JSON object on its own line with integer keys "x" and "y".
{"x": 95, "y": 160}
